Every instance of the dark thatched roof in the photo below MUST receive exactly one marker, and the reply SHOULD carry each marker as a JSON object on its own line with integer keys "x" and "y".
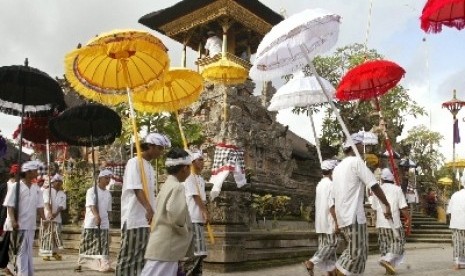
{"x": 156, "y": 19}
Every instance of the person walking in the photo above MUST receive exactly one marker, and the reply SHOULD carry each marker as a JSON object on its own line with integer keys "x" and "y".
{"x": 137, "y": 208}
{"x": 196, "y": 202}
{"x": 94, "y": 253}
{"x": 325, "y": 223}
{"x": 31, "y": 202}
{"x": 171, "y": 236}
{"x": 54, "y": 202}
{"x": 456, "y": 209}
{"x": 350, "y": 179}
{"x": 391, "y": 241}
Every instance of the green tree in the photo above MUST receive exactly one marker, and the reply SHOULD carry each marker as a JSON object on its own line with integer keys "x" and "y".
{"x": 396, "y": 105}
{"x": 423, "y": 146}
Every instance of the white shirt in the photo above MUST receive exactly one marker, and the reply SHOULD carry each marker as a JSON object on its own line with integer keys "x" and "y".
{"x": 58, "y": 200}
{"x": 350, "y": 178}
{"x": 132, "y": 212}
{"x": 457, "y": 210}
{"x": 324, "y": 222}
{"x": 193, "y": 185}
{"x": 104, "y": 205}
{"x": 396, "y": 199}
{"x": 213, "y": 45}
{"x": 30, "y": 198}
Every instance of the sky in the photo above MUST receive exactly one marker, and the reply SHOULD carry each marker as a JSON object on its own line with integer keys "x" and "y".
{"x": 45, "y": 31}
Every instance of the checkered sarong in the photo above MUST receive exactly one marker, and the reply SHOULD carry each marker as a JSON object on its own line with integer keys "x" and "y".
{"x": 354, "y": 257}
{"x": 89, "y": 247}
{"x": 458, "y": 241}
{"x": 226, "y": 158}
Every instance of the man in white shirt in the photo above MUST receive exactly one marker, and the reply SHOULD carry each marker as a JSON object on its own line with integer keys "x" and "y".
{"x": 350, "y": 178}
{"x": 391, "y": 241}
{"x": 23, "y": 224}
{"x": 196, "y": 199}
{"x": 325, "y": 223}
{"x": 456, "y": 209}
{"x": 137, "y": 208}
{"x": 94, "y": 253}
{"x": 55, "y": 203}
{"x": 213, "y": 45}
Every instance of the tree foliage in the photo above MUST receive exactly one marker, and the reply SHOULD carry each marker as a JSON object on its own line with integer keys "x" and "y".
{"x": 396, "y": 105}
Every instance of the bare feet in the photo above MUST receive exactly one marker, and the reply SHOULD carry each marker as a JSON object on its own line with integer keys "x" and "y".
{"x": 309, "y": 266}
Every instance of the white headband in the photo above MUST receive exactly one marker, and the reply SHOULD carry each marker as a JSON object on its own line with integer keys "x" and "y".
{"x": 105, "y": 172}
{"x": 31, "y": 166}
{"x": 196, "y": 155}
{"x": 171, "y": 162}
{"x": 56, "y": 178}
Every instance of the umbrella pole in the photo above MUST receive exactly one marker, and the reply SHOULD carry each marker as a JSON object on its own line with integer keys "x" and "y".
{"x": 94, "y": 179}
{"x": 387, "y": 142}
{"x": 317, "y": 141}
{"x": 47, "y": 150}
{"x": 330, "y": 101}
{"x": 135, "y": 133}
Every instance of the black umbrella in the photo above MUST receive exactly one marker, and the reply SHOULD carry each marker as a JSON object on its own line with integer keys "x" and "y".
{"x": 87, "y": 125}
{"x": 27, "y": 91}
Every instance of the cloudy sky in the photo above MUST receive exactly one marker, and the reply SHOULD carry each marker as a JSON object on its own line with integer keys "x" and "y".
{"x": 44, "y": 31}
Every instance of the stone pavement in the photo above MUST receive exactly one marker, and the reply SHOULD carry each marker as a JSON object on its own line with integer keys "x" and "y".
{"x": 421, "y": 259}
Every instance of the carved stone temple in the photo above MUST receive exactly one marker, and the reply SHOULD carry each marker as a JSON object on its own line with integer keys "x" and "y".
{"x": 279, "y": 162}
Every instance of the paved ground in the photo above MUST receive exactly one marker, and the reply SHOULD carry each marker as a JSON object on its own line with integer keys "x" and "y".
{"x": 421, "y": 259}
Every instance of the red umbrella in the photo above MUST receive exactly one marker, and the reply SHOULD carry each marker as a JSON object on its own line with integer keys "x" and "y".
{"x": 368, "y": 80}
{"x": 36, "y": 131}
{"x": 436, "y": 13}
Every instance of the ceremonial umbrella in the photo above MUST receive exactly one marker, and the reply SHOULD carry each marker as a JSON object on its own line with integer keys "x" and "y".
{"x": 291, "y": 44}
{"x": 445, "y": 181}
{"x": 27, "y": 91}
{"x": 225, "y": 71}
{"x": 88, "y": 125}
{"x": 368, "y": 81}
{"x": 114, "y": 65}
{"x": 302, "y": 91}
{"x": 436, "y": 13}
{"x": 36, "y": 131}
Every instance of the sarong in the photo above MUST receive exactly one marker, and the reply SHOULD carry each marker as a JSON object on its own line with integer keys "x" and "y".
{"x": 159, "y": 268}
{"x": 50, "y": 238}
{"x": 325, "y": 257}
{"x": 22, "y": 262}
{"x": 353, "y": 259}
{"x": 458, "y": 241}
{"x": 390, "y": 247}
{"x": 90, "y": 254}
{"x": 131, "y": 255}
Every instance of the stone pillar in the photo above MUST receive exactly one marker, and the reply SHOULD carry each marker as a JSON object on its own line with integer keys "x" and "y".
{"x": 230, "y": 219}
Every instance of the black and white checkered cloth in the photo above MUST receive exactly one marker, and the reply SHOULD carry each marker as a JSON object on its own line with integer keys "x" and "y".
{"x": 118, "y": 170}
{"x": 226, "y": 158}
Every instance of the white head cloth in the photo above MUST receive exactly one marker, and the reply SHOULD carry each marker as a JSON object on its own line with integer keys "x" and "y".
{"x": 157, "y": 139}
{"x": 197, "y": 154}
{"x": 328, "y": 165}
{"x": 386, "y": 174}
{"x": 105, "y": 172}
{"x": 56, "y": 178}
{"x": 356, "y": 137}
{"x": 31, "y": 165}
{"x": 171, "y": 162}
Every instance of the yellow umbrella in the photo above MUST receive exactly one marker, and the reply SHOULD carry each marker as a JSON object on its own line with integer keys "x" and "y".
{"x": 445, "y": 181}
{"x": 112, "y": 62}
{"x": 112, "y": 65}
{"x": 181, "y": 87}
{"x": 371, "y": 159}
{"x": 225, "y": 71}
{"x": 459, "y": 164}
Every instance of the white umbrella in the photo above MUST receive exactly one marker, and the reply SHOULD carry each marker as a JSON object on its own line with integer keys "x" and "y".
{"x": 302, "y": 91}
{"x": 369, "y": 138}
{"x": 292, "y": 44}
